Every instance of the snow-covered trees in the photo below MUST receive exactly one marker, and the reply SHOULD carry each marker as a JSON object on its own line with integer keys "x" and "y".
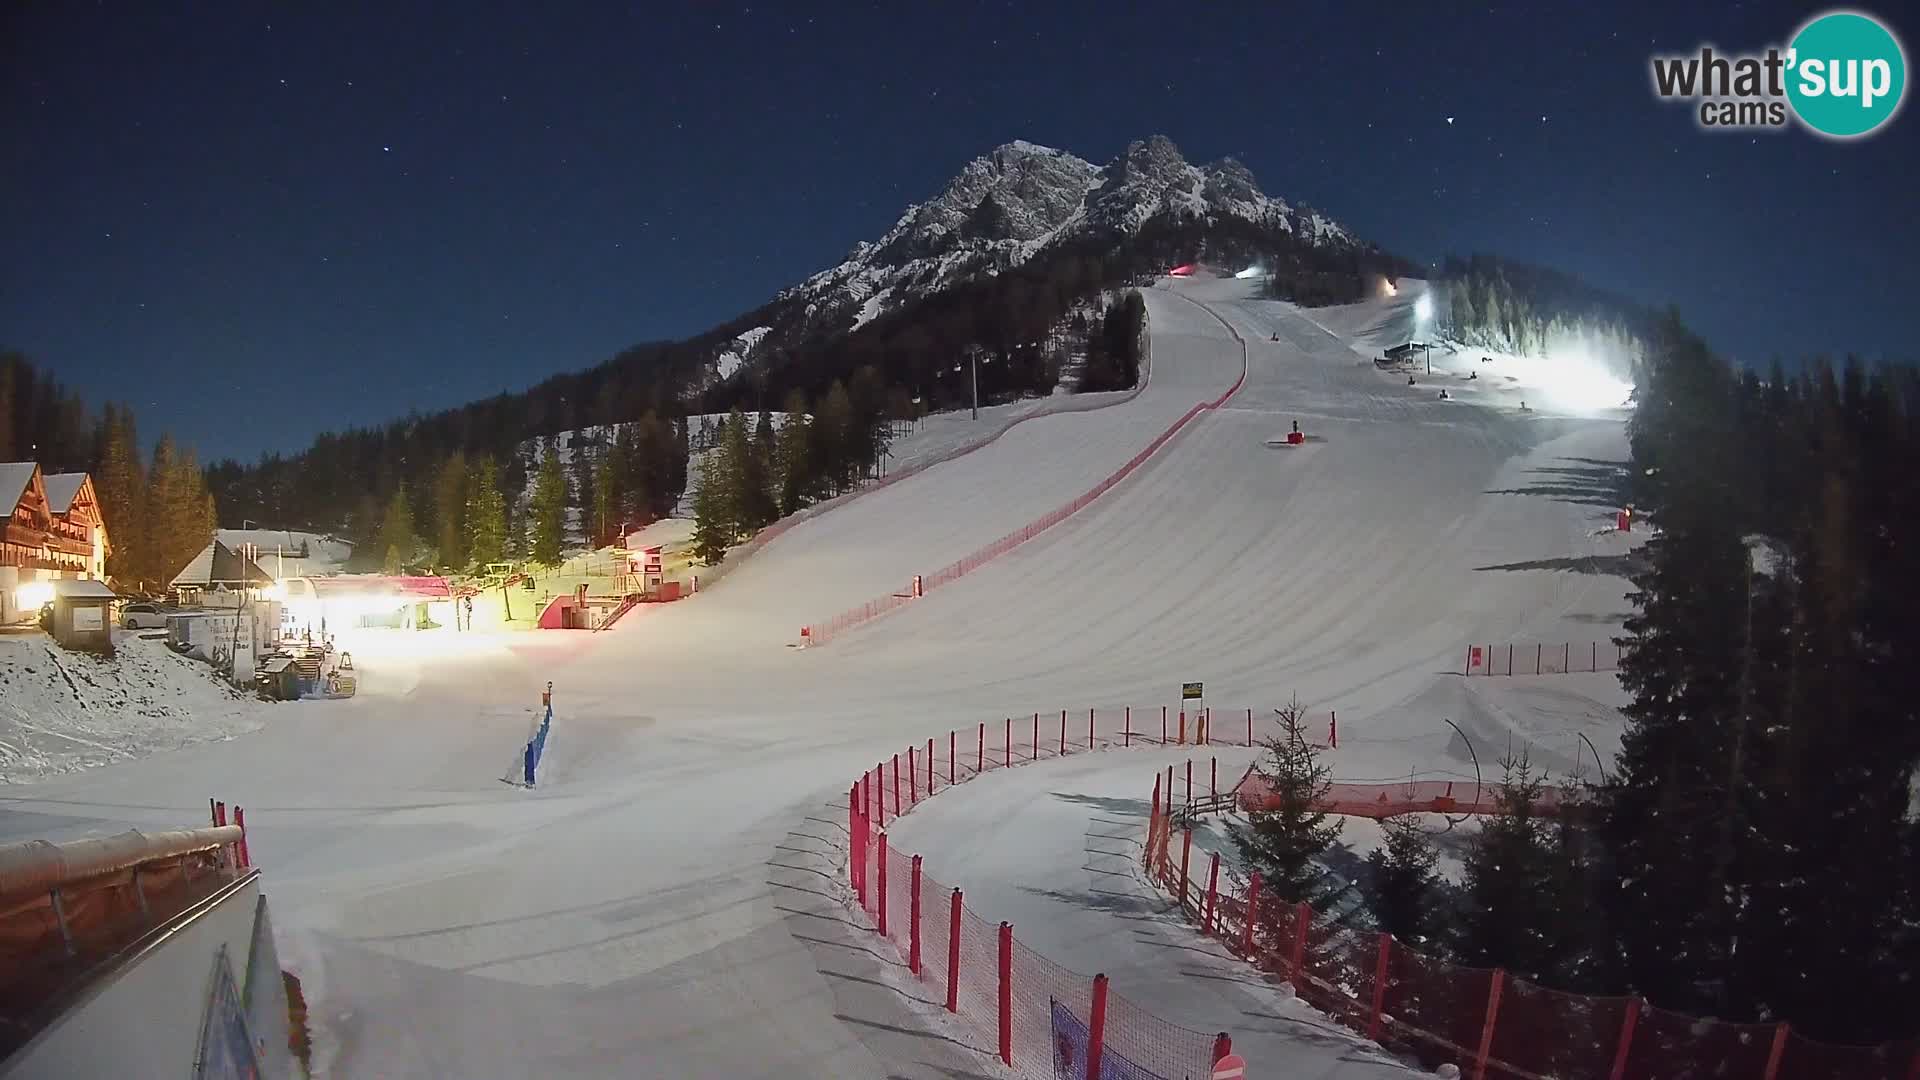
{"x": 397, "y": 538}
{"x": 1283, "y": 841}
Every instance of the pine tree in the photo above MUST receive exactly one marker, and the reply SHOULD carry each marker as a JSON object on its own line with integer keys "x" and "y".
{"x": 121, "y": 484}
{"x": 486, "y": 514}
{"x": 168, "y": 517}
{"x": 605, "y": 503}
{"x": 397, "y": 539}
{"x": 1284, "y": 840}
{"x": 792, "y": 455}
{"x": 759, "y": 505}
{"x": 1514, "y": 885}
{"x": 835, "y": 440}
{"x": 450, "y": 511}
{"x": 1401, "y": 878}
{"x": 549, "y": 511}
{"x": 712, "y": 531}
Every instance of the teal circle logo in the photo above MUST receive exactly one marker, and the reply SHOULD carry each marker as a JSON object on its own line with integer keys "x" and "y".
{"x": 1847, "y": 74}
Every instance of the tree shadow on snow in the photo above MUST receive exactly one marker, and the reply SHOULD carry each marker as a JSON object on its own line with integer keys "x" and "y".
{"x": 1584, "y": 482}
{"x": 1620, "y": 566}
{"x": 1131, "y": 808}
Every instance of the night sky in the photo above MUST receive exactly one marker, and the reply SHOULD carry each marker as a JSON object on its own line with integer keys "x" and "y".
{"x": 255, "y": 226}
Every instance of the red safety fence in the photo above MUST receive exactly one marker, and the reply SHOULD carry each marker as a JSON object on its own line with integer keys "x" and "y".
{"x": 1541, "y": 658}
{"x": 1378, "y": 801}
{"x": 1486, "y": 1021}
{"x": 822, "y": 632}
{"x": 1019, "y": 1005}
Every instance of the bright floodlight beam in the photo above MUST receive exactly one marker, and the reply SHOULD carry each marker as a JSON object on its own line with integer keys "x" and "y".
{"x": 1423, "y": 307}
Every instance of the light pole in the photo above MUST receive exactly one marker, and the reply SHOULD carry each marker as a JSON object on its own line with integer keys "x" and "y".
{"x": 973, "y": 359}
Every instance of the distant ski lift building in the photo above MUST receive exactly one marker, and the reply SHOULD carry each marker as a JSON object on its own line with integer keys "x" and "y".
{"x": 1410, "y": 353}
{"x": 218, "y": 569}
{"x": 323, "y": 605}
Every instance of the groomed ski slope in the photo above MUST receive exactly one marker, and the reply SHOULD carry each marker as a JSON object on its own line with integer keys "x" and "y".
{"x": 664, "y": 904}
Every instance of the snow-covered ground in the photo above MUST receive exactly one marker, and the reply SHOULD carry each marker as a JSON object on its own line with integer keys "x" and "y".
{"x": 62, "y": 711}
{"x": 663, "y": 904}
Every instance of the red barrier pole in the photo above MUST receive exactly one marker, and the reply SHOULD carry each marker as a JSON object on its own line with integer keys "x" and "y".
{"x": 1213, "y": 893}
{"x": 1302, "y": 919}
{"x": 1153, "y": 819}
{"x": 1126, "y": 737}
{"x": 1778, "y": 1053}
{"x": 881, "y": 896}
{"x": 1222, "y": 1046}
{"x": 219, "y": 813}
{"x": 1183, "y": 727}
{"x": 896, "y": 785}
{"x": 1486, "y": 1031}
{"x": 913, "y": 779}
{"x": 1006, "y": 994}
{"x": 1380, "y": 986}
{"x": 1097, "y": 1027}
{"x": 1163, "y": 725}
{"x": 913, "y": 917}
{"x": 855, "y": 863}
{"x": 1626, "y": 1040}
{"x": 240, "y": 819}
{"x": 953, "y": 953}
{"x": 1253, "y": 913}
{"x": 929, "y": 768}
{"x": 1189, "y": 781}
{"x": 1249, "y": 727}
{"x": 1186, "y": 854}
{"x": 953, "y": 753}
{"x": 1333, "y": 729}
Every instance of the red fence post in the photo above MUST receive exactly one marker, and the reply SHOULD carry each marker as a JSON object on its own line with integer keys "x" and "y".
{"x": 1186, "y": 855}
{"x": 1779, "y": 1051}
{"x": 1183, "y": 727}
{"x": 896, "y": 785}
{"x": 1380, "y": 985}
{"x": 1154, "y": 819}
{"x": 913, "y": 917}
{"x": 1486, "y": 1030}
{"x": 240, "y": 819}
{"x": 953, "y": 954}
{"x": 1163, "y": 725}
{"x": 1252, "y": 913}
{"x": 929, "y": 767}
{"x": 913, "y": 779}
{"x": 1213, "y": 892}
{"x": 1096, "y": 1027}
{"x": 1126, "y": 733}
{"x": 1626, "y": 1039}
{"x": 1222, "y": 1046}
{"x": 855, "y": 862}
{"x": 1006, "y": 994}
{"x": 1249, "y": 727}
{"x": 882, "y": 894}
{"x": 1333, "y": 729}
{"x": 1302, "y": 918}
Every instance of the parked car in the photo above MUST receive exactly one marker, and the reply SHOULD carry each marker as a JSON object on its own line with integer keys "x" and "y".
{"x": 142, "y": 615}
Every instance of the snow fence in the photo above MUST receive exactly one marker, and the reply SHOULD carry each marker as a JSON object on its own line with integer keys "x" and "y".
{"x": 1484, "y": 1020}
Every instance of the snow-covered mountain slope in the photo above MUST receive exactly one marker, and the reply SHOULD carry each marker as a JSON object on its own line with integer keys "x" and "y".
{"x": 1012, "y": 204}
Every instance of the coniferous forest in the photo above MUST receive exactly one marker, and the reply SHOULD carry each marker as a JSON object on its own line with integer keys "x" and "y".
{"x": 156, "y": 505}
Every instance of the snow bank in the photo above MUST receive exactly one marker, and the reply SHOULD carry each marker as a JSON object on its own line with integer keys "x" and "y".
{"x": 62, "y": 711}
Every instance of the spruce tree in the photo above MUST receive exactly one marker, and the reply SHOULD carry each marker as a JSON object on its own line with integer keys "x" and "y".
{"x": 1401, "y": 878}
{"x": 450, "y": 511}
{"x": 1283, "y": 840}
{"x": 792, "y": 455}
{"x": 121, "y": 485}
{"x": 605, "y": 514}
{"x": 712, "y": 531}
{"x": 397, "y": 539}
{"x": 548, "y": 511}
{"x": 1510, "y": 915}
{"x": 835, "y": 440}
{"x": 760, "y": 507}
{"x": 486, "y": 514}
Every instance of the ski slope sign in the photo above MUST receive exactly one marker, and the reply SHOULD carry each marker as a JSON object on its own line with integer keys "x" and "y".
{"x": 1231, "y": 1067}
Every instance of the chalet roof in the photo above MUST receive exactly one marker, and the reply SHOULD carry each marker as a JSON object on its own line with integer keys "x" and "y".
{"x": 14, "y": 478}
{"x": 83, "y": 589}
{"x": 218, "y": 565}
{"x": 61, "y": 489}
